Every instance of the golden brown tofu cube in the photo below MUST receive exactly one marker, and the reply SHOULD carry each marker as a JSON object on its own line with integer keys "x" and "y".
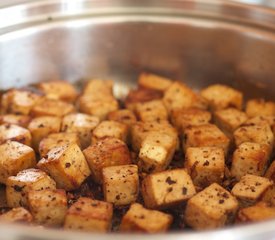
{"x": 41, "y": 127}
{"x": 97, "y": 87}
{"x": 120, "y": 184}
{"x": 82, "y": 124}
{"x": 66, "y": 165}
{"x": 261, "y": 134}
{"x": 105, "y": 153}
{"x": 183, "y": 118}
{"x": 10, "y": 132}
{"x": 179, "y": 96}
{"x": 89, "y": 215}
{"x": 205, "y": 165}
{"x": 220, "y": 97}
{"x": 140, "y": 219}
{"x": 211, "y": 208}
{"x": 48, "y": 207}
{"x": 152, "y": 81}
{"x": 259, "y": 212}
{"x": 228, "y": 120}
{"x": 157, "y": 151}
{"x": 17, "y": 187}
{"x": 56, "y": 140}
{"x": 250, "y": 189}
{"x": 59, "y": 90}
{"x": 99, "y": 106}
{"x": 17, "y": 215}
{"x": 140, "y": 130}
{"x": 140, "y": 96}
{"x": 110, "y": 129}
{"x": 259, "y": 107}
{"x": 15, "y": 157}
{"x": 151, "y": 111}
{"x": 249, "y": 158}
{"x": 51, "y": 107}
{"x": 19, "y": 120}
{"x": 207, "y": 135}
{"x": 19, "y": 101}
{"x": 125, "y": 116}
{"x": 166, "y": 189}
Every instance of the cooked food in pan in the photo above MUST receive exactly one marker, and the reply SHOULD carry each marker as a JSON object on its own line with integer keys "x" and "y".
{"x": 165, "y": 158}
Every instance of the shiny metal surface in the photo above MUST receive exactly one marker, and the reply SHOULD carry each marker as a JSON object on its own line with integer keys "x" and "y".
{"x": 197, "y": 41}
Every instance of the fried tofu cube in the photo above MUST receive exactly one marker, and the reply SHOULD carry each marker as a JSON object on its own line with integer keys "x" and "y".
{"x": 259, "y": 107}
{"x": 221, "y": 96}
{"x": 19, "y": 120}
{"x": 261, "y": 134}
{"x": 166, "y": 189}
{"x": 250, "y": 189}
{"x": 183, "y": 118}
{"x": 140, "y": 219}
{"x": 151, "y": 111}
{"x": 105, "y": 153}
{"x": 41, "y": 127}
{"x": 58, "y": 90}
{"x": 89, "y": 215}
{"x": 140, "y": 130}
{"x": 120, "y": 184}
{"x": 17, "y": 187}
{"x": 15, "y": 157}
{"x": 48, "y": 207}
{"x": 249, "y": 158}
{"x": 211, "y": 208}
{"x": 228, "y": 120}
{"x": 19, "y": 101}
{"x": 157, "y": 151}
{"x": 141, "y": 95}
{"x": 66, "y": 165}
{"x": 82, "y": 124}
{"x": 179, "y": 96}
{"x": 259, "y": 212}
{"x": 205, "y": 165}
{"x": 207, "y": 135}
{"x": 52, "y": 107}
{"x": 96, "y": 87}
{"x": 10, "y": 132}
{"x": 110, "y": 129}
{"x": 56, "y": 140}
{"x": 99, "y": 106}
{"x": 152, "y": 81}
{"x": 125, "y": 116}
{"x": 17, "y": 215}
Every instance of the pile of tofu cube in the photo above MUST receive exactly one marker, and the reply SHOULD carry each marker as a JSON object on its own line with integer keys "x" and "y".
{"x": 163, "y": 157}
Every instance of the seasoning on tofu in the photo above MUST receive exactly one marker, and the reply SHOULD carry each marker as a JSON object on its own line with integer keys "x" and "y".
{"x": 66, "y": 165}
{"x": 140, "y": 219}
{"x": 250, "y": 189}
{"x": 165, "y": 157}
{"x": 211, "y": 208}
{"x": 120, "y": 184}
{"x": 48, "y": 207}
{"x": 89, "y": 215}
{"x": 17, "y": 187}
{"x": 168, "y": 188}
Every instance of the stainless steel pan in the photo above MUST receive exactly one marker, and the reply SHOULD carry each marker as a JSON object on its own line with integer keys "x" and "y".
{"x": 200, "y": 42}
